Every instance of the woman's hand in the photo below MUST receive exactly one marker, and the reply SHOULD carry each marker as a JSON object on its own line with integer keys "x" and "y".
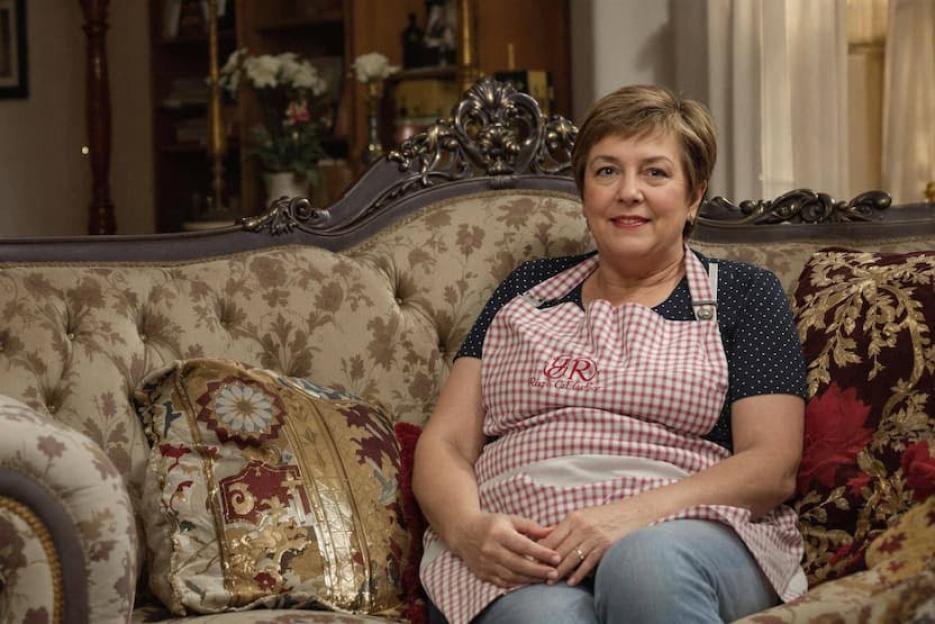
{"x": 503, "y": 550}
{"x": 583, "y": 537}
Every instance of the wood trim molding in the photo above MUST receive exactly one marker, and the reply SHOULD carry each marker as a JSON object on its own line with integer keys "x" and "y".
{"x": 97, "y": 99}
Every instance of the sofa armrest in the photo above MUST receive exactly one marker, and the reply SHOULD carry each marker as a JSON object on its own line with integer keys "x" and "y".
{"x": 67, "y": 532}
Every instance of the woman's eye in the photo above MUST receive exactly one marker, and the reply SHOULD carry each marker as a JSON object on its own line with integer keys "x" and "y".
{"x": 656, "y": 172}
{"x": 605, "y": 171}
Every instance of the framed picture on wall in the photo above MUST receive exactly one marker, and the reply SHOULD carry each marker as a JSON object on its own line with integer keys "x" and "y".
{"x": 14, "y": 73}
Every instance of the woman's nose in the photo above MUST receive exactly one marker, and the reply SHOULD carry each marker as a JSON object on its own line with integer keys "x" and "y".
{"x": 629, "y": 190}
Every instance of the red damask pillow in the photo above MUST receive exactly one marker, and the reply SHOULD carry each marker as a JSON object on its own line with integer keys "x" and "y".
{"x": 866, "y": 322}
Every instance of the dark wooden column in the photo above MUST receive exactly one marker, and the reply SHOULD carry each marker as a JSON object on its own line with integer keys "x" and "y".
{"x": 97, "y": 98}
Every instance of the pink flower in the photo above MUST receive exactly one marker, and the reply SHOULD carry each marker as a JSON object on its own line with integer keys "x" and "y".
{"x": 834, "y": 434}
{"x": 297, "y": 113}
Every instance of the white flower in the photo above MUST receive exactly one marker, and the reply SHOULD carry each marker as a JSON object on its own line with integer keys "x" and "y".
{"x": 373, "y": 66}
{"x": 229, "y": 75}
{"x": 303, "y": 75}
{"x": 244, "y": 409}
{"x": 263, "y": 70}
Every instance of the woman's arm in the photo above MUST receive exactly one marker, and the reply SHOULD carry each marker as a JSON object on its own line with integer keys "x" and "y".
{"x": 499, "y": 549}
{"x": 767, "y": 436}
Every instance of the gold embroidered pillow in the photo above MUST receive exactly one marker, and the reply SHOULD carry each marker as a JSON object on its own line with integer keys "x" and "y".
{"x": 264, "y": 490}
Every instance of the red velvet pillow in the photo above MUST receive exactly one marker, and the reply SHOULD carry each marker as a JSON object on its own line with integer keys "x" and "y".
{"x": 407, "y": 435}
{"x": 866, "y": 322}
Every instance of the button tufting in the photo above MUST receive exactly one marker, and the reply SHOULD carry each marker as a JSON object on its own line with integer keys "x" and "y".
{"x": 51, "y": 408}
{"x": 144, "y": 337}
{"x": 70, "y": 335}
{"x": 399, "y": 301}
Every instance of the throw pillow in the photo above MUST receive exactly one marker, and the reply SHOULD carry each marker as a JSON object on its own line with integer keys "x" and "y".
{"x": 263, "y": 490}
{"x": 866, "y": 322}
{"x": 907, "y": 548}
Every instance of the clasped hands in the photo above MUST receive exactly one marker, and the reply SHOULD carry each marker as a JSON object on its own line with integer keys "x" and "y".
{"x": 509, "y": 550}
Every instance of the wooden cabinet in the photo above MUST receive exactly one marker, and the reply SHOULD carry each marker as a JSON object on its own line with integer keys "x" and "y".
{"x": 331, "y": 33}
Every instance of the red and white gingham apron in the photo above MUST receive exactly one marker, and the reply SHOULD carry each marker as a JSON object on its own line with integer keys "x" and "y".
{"x": 618, "y": 396}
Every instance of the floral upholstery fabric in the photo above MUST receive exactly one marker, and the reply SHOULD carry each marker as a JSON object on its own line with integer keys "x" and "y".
{"x": 898, "y": 587}
{"x": 381, "y": 320}
{"x": 866, "y": 323}
{"x": 786, "y": 259}
{"x": 259, "y": 616}
{"x": 263, "y": 490}
{"x": 76, "y": 471}
{"x": 908, "y": 547}
{"x": 861, "y": 598}
{"x": 29, "y": 583}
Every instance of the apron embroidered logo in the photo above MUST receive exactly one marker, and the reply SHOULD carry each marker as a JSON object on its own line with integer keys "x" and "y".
{"x": 567, "y": 372}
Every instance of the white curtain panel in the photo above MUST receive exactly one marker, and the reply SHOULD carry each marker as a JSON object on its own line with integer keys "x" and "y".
{"x": 909, "y": 100}
{"x": 777, "y": 78}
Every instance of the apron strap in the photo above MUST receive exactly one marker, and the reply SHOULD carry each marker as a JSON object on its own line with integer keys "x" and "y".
{"x": 706, "y": 310}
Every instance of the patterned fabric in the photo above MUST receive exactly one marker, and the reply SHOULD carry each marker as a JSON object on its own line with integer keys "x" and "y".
{"x": 79, "y": 475}
{"x": 381, "y": 320}
{"x": 899, "y": 587}
{"x": 407, "y": 435}
{"x": 786, "y": 259}
{"x": 861, "y": 598}
{"x": 262, "y": 491}
{"x": 866, "y": 322}
{"x": 908, "y": 547}
{"x": 27, "y": 574}
{"x": 150, "y": 614}
{"x": 619, "y": 382}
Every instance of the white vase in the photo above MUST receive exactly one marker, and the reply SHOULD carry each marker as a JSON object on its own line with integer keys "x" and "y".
{"x": 284, "y": 183}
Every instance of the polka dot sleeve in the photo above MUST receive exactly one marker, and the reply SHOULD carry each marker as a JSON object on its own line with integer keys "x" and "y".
{"x": 764, "y": 351}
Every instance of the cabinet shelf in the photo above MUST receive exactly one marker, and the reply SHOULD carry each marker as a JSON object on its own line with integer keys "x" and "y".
{"x": 331, "y": 33}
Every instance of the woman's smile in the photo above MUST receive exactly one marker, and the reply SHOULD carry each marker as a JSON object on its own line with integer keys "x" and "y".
{"x": 628, "y": 222}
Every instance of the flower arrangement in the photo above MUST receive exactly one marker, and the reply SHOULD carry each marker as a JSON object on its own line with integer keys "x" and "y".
{"x": 373, "y": 67}
{"x": 290, "y": 92}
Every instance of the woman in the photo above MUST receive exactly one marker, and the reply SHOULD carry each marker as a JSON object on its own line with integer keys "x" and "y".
{"x": 620, "y": 429}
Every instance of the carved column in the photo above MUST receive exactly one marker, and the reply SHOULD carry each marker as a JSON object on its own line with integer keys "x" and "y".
{"x": 97, "y": 99}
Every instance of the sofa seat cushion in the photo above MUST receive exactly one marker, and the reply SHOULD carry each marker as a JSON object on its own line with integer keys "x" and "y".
{"x": 263, "y": 490}
{"x": 866, "y": 322}
{"x": 147, "y": 615}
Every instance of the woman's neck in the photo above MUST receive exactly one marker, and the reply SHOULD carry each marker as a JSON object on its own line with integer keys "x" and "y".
{"x": 648, "y": 288}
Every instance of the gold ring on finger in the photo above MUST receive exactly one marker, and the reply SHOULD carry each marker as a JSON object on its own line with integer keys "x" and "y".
{"x": 580, "y": 554}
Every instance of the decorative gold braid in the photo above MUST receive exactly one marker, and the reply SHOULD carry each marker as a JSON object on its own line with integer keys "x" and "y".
{"x": 45, "y": 538}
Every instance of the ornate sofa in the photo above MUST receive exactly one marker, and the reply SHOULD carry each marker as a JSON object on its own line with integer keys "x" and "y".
{"x": 352, "y": 313}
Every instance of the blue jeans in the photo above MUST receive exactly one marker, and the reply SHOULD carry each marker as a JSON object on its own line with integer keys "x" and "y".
{"x": 675, "y": 572}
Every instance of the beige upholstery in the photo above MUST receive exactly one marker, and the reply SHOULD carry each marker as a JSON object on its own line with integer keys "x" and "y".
{"x": 381, "y": 319}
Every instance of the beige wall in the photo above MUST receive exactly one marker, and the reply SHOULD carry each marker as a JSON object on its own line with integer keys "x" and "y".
{"x": 45, "y": 182}
{"x": 619, "y": 42}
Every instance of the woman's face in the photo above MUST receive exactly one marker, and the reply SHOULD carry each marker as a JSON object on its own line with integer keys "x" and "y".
{"x": 636, "y": 198}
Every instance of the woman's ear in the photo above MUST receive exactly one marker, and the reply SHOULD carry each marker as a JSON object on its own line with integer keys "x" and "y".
{"x": 696, "y": 200}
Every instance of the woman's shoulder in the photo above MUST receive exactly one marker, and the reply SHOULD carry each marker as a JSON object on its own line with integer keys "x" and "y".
{"x": 739, "y": 272}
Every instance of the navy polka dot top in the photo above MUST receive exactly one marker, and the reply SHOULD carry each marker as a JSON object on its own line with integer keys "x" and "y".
{"x": 764, "y": 355}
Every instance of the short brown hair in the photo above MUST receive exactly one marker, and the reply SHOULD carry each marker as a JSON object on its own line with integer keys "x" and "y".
{"x": 640, "y": 109}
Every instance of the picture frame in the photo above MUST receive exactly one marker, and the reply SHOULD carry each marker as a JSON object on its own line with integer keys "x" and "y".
{"x": 14, "y": 68}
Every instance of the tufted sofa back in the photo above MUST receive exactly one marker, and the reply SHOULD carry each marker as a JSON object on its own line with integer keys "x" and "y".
{"x": 382, "y": 319}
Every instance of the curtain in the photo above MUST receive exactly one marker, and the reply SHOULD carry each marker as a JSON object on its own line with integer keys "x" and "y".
{"x": 777, "y": 85}
{"x": 909, "y": 100}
